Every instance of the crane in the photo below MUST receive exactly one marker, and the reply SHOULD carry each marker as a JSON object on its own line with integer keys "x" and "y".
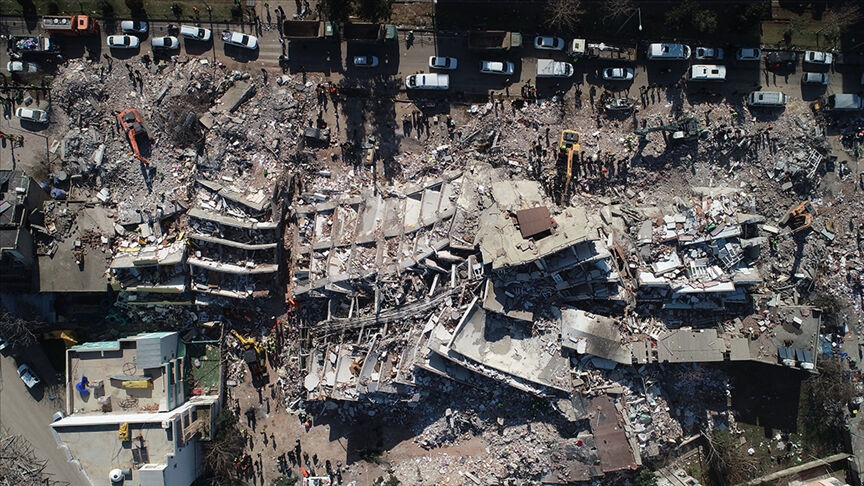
{"x": 568, "y": 145}
{"x": 132, "y": 124}
{"x": 682, "y": 130}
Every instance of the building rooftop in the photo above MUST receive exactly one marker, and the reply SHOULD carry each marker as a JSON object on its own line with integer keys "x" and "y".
{"x": 134, "y": 374}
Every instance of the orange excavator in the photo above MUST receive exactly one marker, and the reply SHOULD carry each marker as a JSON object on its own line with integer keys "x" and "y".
{"x": 132, "y": 124}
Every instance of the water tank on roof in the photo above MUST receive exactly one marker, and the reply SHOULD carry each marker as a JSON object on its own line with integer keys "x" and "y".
{"x": 116, "y": 476}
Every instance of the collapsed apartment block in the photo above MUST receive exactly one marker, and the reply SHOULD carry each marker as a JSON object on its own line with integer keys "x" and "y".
{"x": 138, "y": 408}
{"x": 151, "y": 274}
{"x": 234, "y": 244}
{"x": 534, "y": 255}
{"x": 699, "y": 258}
{"x": 345, "y": 245}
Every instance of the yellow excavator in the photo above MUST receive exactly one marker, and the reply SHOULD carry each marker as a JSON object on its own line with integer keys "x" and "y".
{"x": 567, "y": 146}
{"x": 256, "y": 359}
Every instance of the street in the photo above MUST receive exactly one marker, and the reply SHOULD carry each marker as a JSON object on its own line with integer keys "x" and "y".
{"x": 28, "y": 412}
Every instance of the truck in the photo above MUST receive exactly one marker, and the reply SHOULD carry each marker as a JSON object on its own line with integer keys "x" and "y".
{"x": 307, "y": 29}
{"x": 494, "y": 39}
{"x": 580, "y": 48}
{"x": 548, "y": 68}
{"x": 26, "y": 48}
{"x": 365, "y": 32}
{"x": 69, "y": 24}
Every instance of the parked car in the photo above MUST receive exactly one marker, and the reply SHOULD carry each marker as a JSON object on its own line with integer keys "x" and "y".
{"x": 58, "y": 415}
{"x": 449, "y": 63}
{"x": 706, "y": 72}
{"x": 167, "y": 42}
{"x": 32, "y": 115}
{"x": 618, "y": 74}
{"x": 548, "y": 43}
{"x": 365, "y": 61}
{"x": 195, "y": 33}
{"x": 781, "y": 60}
{"x": 815, "y": 78}
{"x": 497, "y": 67}
{"x": 123, "y": 42}
{"x": 22, "y": 67}
{"x": 239, "y": 39}
{"x": 668, "y": 52}
{"x": 3, "y": 343}
{"x": 133, "y": 26}
{"x": 845, "y": 102}
{"x": 708, "y": 53}
{"x": 816, "y": 57}
{"x": 766, "y": 99}
{"x": 749, "y": 54}
{"x": 28, "y": 376}
{"x": 428, "y": 81}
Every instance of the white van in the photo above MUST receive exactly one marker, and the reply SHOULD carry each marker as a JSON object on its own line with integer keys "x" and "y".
{"x": 706, "y": 72}
{"x": 844, "y": 102}
{"x": 428, "y": 81}
{"x": 668, "y": 52}
{"x": 766, "y": 99}
{"x": 195, "y": 33}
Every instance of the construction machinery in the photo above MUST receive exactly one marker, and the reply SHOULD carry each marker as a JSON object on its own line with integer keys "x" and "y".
{"x": 253, "y": 355}
{"x": 568, "y": 145}
{"x": 800, "y": 217}
{"x": 685, "y": 129}
{"x": 132, "y": 124}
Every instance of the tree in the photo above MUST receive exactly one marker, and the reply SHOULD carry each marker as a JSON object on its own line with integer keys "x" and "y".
{"x": 729, "y": 462}
{"x": 336, "y": 10}
{"x": 227, "y": 445}
{"x": 838, "y": 19}
{"x": 19, "y": 332}
{"x": 828, "y": 394}
{"x": 375, "y": 10}
{"x": 563, "y": 14}
{"x": 688, "y": 13}
{"x": 618, "y": 9}
{"x": 645, "y": 478}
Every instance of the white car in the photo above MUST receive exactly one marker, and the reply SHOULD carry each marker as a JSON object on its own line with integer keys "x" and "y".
{"x": 32, "y": 115}
{"x": 816, "y": 57}
{"x": 168, "y": 42}
{"x": 708, "y": 53}
{"x": 365, "y": 61}
{"x": 22, "y": 67}
{"x": 618, "y": 74}
{"x": 195, "y": 33}
{"x": 816, "y": 78}
{"x": 548, "y": 43}
{"x": 496, "y": 67}
{"x": 123, "y": 42}
{"x": 133, "y": 26}
{"x": 448, "y": 63}
{"x": 748, "y": 54}
{"x": 27, "y": 376}
{"x": 240, "y": 39}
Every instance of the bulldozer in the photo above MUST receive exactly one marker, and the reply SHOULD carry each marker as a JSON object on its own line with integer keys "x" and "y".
{"x": 686, "y": 129}
{"x": 568, "y": 145}
{"x": 800, "y": 217}
{"x": 132, "y": 124}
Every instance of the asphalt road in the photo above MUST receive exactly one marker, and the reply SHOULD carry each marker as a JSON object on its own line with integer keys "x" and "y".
{"x": 28, "y": 412}
{"x": 399, "y": 59}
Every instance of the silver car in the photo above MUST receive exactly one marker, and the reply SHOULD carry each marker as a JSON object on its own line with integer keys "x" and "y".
{"x": 815, "y": 78}
{"x": 497, "y": 67}
{"x": 32, "y": 115}
{"x": 123, "y": 42}
{"x": 133, "y": 26}
{"x": 167, "y": 42}
{"x": 618, "y": 74}
{"x": 816, "y": 57}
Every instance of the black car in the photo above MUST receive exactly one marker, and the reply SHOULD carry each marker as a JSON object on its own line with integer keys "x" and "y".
{"x": 781, "y": 61}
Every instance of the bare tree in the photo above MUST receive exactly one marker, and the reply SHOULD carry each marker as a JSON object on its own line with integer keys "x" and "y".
{"x": 728, "y": 461}
{"x": 563, "y": 14}
{"x": 837, "y": 20}
{"x": 618, "y": 9}
{"x": 19, "y": 464}
{"x": 19, "y": 332}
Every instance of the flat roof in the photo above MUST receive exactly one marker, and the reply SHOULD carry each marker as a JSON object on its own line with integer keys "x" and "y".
{"x": 533, "y": 221}
{"x": 610, "y": 438}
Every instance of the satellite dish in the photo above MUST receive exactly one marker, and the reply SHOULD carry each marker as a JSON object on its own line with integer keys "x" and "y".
{"x": 116, "y": 476}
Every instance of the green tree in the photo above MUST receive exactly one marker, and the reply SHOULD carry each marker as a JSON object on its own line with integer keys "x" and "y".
{"x": 645, "y": 478}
